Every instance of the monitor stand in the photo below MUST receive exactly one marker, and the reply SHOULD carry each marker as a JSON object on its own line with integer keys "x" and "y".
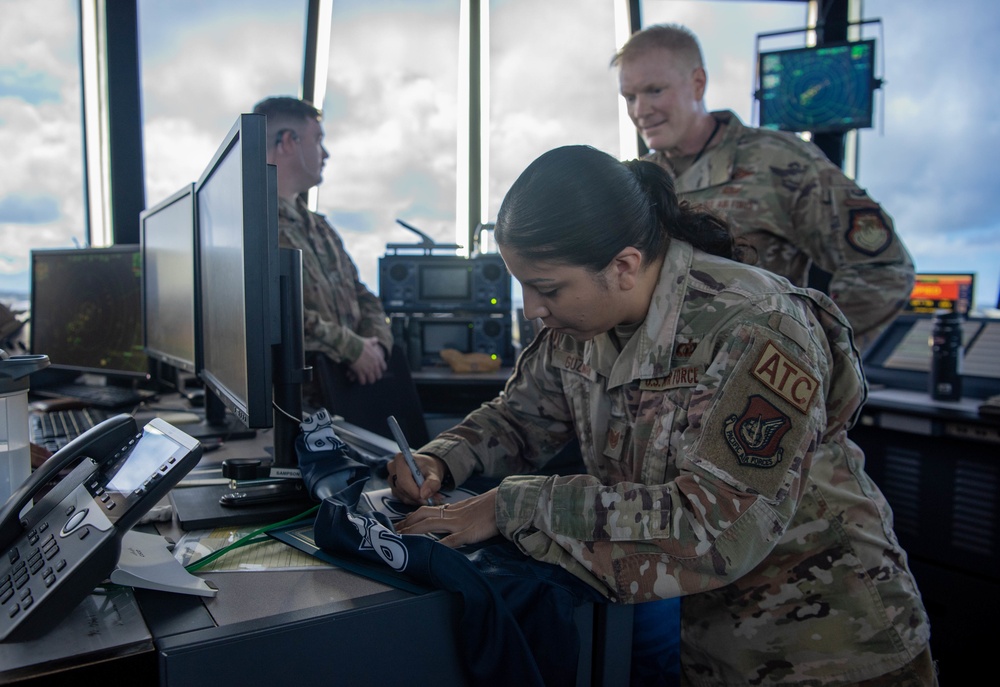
{"x": 200, "y": 508}
{"x": 258, "y": 491}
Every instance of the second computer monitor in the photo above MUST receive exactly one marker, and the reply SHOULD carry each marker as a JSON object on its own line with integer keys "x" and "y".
{"x": 167, "y": 232}
{"x": 238, "y": 273}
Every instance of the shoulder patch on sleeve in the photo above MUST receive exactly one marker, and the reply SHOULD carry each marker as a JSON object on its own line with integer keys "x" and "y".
{"x": 761, "y": 417}
{"x": 867, "y": 232}
{"x": 755, "y": 436}
{"x": 781, "y": 375}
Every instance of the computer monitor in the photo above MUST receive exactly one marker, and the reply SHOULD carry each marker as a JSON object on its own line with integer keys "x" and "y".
{"x": 822, "y": 89}
{"x": 86, "y": 311}
{"x": 249, "y": 336}
{"x": 167, "y": 237}
{"x": 238, "y": 274}
{"x": 934, "y": 291}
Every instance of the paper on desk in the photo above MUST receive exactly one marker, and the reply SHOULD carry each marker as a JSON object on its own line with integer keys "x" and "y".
{"x": 265, "y": 555}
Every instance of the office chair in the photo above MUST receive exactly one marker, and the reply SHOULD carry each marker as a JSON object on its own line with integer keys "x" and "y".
{"x": 368, "y": 405}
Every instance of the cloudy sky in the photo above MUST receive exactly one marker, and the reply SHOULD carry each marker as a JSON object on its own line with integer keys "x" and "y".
{"x": 392, "y": 118}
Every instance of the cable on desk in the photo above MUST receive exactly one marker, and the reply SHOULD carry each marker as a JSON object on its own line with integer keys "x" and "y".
{"x": 254, "y": 537}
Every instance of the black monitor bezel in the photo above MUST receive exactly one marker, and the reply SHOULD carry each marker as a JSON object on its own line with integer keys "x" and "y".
{"x": 109, "y": 373}
{"x": 152, "y": 351}
{"x": 864, "y": 122}
{"x": 260, "y": 275}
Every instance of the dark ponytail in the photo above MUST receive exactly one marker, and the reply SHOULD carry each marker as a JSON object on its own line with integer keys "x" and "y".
{"x": 576, "y": 205}
{"x": 699, "y": 227}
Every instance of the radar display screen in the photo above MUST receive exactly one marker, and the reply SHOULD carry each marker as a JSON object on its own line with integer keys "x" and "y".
{"x": 820, "y": 89}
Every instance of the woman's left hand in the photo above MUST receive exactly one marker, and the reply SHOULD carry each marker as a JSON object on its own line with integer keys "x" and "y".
{"x": 466, "y": 522}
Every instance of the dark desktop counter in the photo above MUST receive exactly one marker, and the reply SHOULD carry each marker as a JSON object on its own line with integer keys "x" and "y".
{"x": 316, "y": 624}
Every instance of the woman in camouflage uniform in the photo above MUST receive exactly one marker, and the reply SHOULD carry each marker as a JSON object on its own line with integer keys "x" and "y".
{"x": 711, "y": 401}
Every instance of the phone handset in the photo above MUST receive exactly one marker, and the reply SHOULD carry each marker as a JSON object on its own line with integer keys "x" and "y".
{"x": 98, "y": 442}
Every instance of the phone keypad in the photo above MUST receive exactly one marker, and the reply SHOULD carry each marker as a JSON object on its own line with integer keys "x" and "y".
{"x": 36, "y": 566}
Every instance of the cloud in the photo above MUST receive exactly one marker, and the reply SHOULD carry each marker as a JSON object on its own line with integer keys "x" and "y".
{"x": 930, "y": 162}
{"x": 39, "y": 37}
{"x": 40, "y": 132}
{"x": 393, "y": 140}
{"x": 251, "y": 57}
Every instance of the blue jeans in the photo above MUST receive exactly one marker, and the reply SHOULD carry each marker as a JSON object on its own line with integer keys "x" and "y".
{"x": 656, "y": 644}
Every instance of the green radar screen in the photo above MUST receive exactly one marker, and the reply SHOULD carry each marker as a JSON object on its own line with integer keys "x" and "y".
{"x": 820, "y": 89}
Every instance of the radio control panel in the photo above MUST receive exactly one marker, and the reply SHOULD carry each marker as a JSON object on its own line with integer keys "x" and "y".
{"x": 444, "y": 283}
{"x": 425, "y": 336}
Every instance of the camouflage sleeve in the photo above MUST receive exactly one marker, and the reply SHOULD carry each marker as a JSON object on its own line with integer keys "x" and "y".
{"x": 742, "y": 458}
{"x": 341, "y": 342}
{"x": 520, "y": 430}
{"x": 374, "y": 321}
{"x": 853, "y": 239}
{"x": 336, "y": 340}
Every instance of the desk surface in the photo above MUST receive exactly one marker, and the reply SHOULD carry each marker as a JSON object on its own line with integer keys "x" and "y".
{"x": 921, "y": 403}
{"x": 320, "y": 622}
{"x": 113, "y": 624}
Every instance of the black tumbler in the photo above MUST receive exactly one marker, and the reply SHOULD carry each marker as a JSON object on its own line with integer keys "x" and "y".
{"x": 946, "y": 357}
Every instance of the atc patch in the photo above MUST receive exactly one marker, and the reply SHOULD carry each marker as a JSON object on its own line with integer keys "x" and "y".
{"x": 755, "y": 436}
{"x": 867, "y": 232}
{"x": 780, "y": 374}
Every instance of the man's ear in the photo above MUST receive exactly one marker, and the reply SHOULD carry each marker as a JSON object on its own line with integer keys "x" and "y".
{"x": 699, "y": 81}
{"x": 625, "y": 267}
{"x": 281, "y": 141}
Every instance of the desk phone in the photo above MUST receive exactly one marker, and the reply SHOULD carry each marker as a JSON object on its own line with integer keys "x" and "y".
{"x": 54, "y": 555}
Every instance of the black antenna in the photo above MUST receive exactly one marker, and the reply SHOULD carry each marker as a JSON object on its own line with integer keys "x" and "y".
{"x": 427, "y": 244}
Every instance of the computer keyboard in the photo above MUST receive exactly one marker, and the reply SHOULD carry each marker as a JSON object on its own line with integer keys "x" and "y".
{"x": 106, "y": 397}
{"x": 56, "y": 428}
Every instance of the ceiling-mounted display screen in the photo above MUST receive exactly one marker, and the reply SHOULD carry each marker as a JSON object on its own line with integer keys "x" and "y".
{"x": 820, "y": 89}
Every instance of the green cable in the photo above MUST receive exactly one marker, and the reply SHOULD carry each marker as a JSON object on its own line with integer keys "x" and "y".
{"x": 252, "y": 538}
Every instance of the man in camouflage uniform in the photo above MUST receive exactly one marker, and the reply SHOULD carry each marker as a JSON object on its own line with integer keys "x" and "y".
{"x": 711, "y": 402}
{"x": 780, "y": 194}
{"x": 343, "y": 319}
